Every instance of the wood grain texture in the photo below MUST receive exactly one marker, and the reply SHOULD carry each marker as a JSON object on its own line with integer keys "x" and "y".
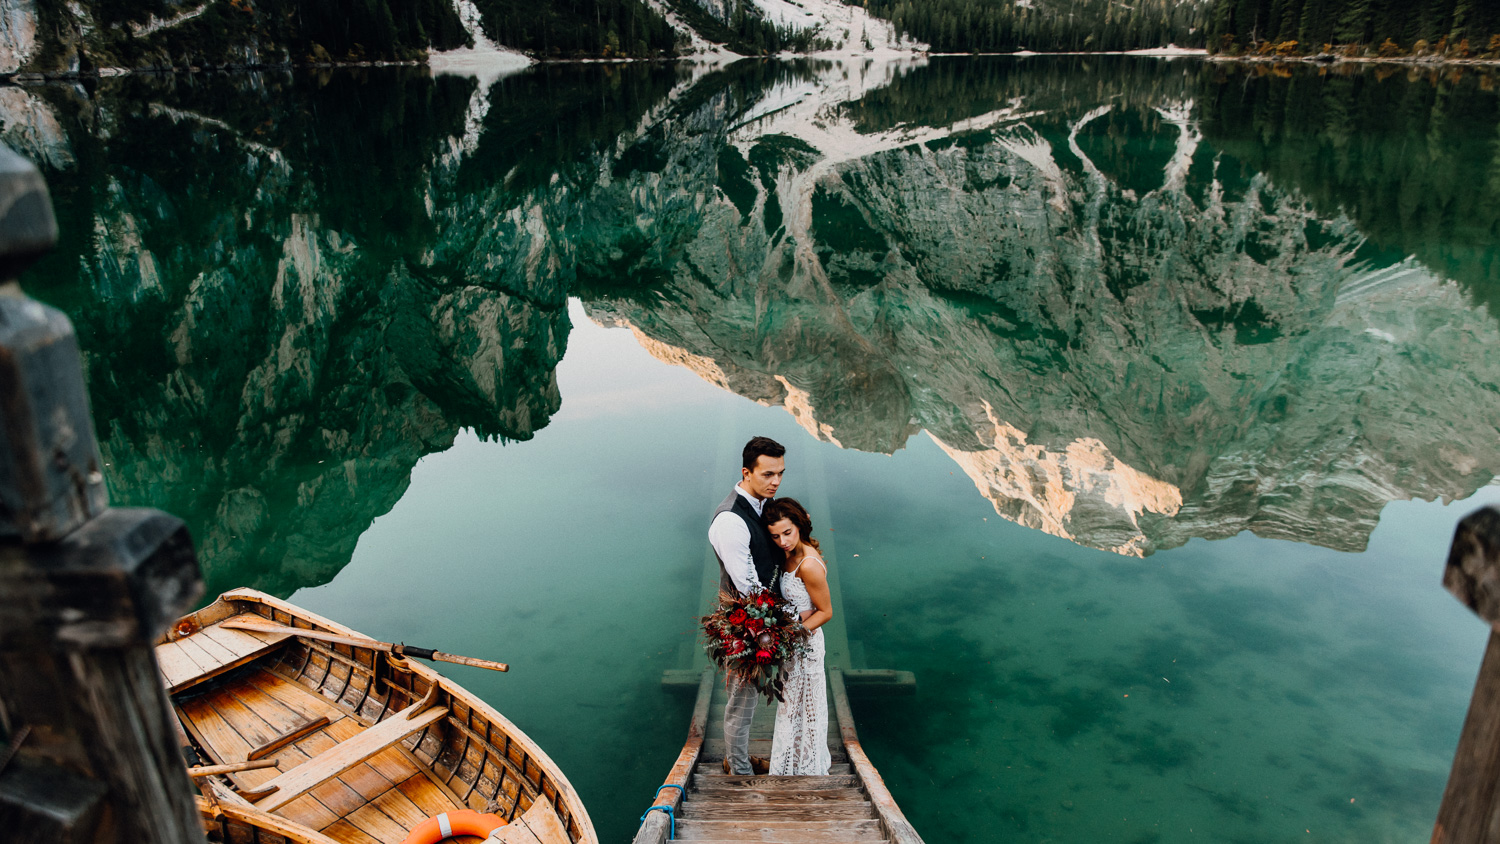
{"x": 1470, "y": 811}
{"x": 288, "y": 736}
{"x": 367, "y": 781}
{"x": 897, "y": 828}
{"x": 377, "y": 824}
{"x": 541, "y": 819}
{"x": 785, "y": 811}
{"x": 79, "y": 669}
{"x": 346, "y": 755}
{"x": 276, "y": 713}
{"x": 756, "y": 830}
{"x": 296, "y": 696}
{"x": 843, "y": 807}
{"x": 515, "y": 833}
{"x": 400, "y": 808}
{"x": 711, "y": 782}
{"x": 425, "y": 795}
{"x": 214, "y": 651}
{"x": 337, "y": 796}
{"x": 468, "y": 752}
{"x": 176, "y": 666}
{"x": 221, "y": 654}
{"x": 306, "y": 810}
{"x": 345, "y": 832}
{"x": 292, "y": 830}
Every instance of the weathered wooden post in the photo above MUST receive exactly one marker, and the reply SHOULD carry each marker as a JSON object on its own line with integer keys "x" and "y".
{"x": 1471, "y": 803}
{"x": 90, "y": 749}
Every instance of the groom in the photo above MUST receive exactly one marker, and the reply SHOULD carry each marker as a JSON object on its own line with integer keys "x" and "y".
{"x": 748, "y": 559}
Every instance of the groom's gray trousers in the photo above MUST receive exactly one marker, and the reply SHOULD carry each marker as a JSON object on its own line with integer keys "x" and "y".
{"x": 739, "y": 711}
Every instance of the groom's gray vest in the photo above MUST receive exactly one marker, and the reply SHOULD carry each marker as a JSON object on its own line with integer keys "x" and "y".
{"x": 764, "y": 552}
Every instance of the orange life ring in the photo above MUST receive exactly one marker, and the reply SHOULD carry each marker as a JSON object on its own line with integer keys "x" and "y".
{"x": 449, "y": 824}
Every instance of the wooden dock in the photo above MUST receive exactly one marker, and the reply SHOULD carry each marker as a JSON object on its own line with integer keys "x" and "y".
{"x": 698, "y": 802}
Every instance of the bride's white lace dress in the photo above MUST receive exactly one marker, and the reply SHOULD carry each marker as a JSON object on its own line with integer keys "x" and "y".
{"x": 800, "y": 744}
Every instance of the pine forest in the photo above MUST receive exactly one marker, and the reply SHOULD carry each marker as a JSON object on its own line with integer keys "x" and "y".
{"x": 1458, "y": 29}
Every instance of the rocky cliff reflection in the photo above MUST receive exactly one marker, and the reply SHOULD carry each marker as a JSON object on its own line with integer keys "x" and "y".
{"x": 271, "y": 340}
{"x": 1123, "y": 334}
{"x": 1092, "y": 284}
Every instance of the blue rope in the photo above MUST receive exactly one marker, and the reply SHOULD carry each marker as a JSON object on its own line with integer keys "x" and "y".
{"x": 680, "y": 789}
{"x": 672, "y": 830}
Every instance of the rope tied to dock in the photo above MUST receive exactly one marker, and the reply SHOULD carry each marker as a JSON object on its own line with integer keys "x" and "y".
{"x": 671, "y": 815}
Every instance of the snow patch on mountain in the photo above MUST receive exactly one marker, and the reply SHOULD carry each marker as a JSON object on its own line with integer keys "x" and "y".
{"x": 841, "y": 29}
{"x": 850, "y": 29}
{"x": 485, "y": 61}
{"x": 690, "y": 43}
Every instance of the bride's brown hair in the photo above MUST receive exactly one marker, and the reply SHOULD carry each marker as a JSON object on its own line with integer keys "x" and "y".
{"x": 788, "y": 508}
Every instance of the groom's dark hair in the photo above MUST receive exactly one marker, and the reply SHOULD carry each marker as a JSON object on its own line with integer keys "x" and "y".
{"x": 761, "y": 446}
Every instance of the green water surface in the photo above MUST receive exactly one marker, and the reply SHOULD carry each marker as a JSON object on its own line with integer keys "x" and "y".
{"x": 1136, "y": 401}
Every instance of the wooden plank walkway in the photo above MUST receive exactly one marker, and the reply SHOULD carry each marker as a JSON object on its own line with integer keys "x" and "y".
{"x": 701, "y": 804}
{"x": 849, "y": 806}
{"x": 834, "y": 809}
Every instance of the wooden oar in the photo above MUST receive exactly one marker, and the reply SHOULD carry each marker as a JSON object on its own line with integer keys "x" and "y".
{"x": 232, "y": 767}
{"x": 399, "y": 650}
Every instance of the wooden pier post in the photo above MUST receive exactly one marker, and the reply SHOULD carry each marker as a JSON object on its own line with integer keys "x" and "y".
{"x": 90, "y": 752}
{"x": 1470, "y": 812}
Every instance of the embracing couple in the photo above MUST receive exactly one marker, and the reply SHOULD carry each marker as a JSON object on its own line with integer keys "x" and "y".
{"x": 763, "y": 541}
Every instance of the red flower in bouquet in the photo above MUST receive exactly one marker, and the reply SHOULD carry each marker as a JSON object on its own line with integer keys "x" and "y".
{"x": 752, "y": 636}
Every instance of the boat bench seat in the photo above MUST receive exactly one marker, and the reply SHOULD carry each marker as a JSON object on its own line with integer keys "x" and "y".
{"x": 346, "y": 754}
{"x": 210, "y": 652}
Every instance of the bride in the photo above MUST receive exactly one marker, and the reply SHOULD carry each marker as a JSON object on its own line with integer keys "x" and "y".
{"x": 800, "y": 744}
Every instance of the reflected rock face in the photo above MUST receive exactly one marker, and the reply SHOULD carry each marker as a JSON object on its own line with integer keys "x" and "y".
{"x": 1079, "y": 491}
{"x": 1122, "y": 337}
{"x": 259, "y": 365}
{"x": 1122, "y": 333}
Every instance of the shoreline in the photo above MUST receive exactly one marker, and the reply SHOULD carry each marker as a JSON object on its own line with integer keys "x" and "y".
{"x": 506, "y": 62}
{"x": 1333, "y": 61}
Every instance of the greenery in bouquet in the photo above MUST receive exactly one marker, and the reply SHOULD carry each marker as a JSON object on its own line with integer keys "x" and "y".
{"x": 753, "y": 637}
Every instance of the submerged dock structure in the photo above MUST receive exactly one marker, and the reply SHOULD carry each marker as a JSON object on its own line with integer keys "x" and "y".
{"x": 698, "y": 802}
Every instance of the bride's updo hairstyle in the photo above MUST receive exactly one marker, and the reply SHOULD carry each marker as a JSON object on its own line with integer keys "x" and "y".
{"x": 787, "y": 508}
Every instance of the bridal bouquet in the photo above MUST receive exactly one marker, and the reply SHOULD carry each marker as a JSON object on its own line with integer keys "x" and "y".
{"x": 752, "y": 637}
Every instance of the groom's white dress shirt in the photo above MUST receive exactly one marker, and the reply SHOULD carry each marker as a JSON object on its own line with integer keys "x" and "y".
{"x": 730, "y": 537}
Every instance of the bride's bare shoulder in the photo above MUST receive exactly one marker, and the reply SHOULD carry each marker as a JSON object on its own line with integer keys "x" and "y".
{"x": 815, "y": 564}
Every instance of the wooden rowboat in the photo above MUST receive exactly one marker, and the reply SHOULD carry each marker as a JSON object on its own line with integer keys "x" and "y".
{"x": 366, "y": 745}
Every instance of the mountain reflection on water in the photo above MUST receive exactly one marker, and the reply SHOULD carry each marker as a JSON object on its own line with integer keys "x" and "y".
{"x": 1135, "y": 302}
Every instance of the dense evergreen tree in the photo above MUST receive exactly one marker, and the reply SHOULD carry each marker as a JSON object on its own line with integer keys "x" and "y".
{"x": 746, "y": 32}
{"x": 1454, "y": 28}
{"x": 578, "y": 27}
{"x": 128, "y": 33}
{"x": 1046, "y": 25}
{"x": 116, "y": 33}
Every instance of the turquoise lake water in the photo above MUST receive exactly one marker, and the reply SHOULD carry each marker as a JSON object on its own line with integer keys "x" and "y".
{"x": 1136, "y": 402}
